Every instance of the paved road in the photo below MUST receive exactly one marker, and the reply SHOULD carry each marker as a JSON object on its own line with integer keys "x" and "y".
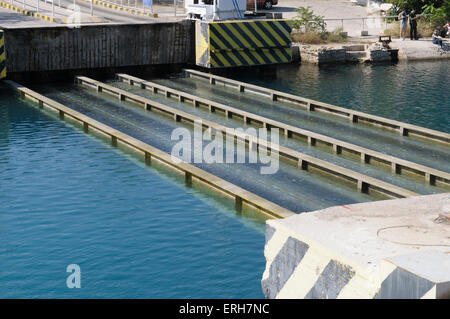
{"x": 9, "y": 18}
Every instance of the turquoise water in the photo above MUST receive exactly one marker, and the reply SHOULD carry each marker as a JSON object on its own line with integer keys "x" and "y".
{"x": 138, "y": 232}
{"x": 68, "y": 198}
{"x": 415, "y": 93}
{"x": 201, "y": 88}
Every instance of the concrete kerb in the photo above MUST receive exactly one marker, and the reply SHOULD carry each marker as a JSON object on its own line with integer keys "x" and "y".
{"x": 364, "y": 183}
{"x": 367, "y": 155}
{"x": 121, "y": 8}
{"x": 240, "y": 195}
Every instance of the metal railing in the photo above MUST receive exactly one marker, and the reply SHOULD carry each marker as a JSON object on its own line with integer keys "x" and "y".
{"x": 366, "y": 21}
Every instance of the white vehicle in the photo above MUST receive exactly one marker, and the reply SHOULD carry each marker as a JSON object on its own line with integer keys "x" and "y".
{"x": 215, "y": 9}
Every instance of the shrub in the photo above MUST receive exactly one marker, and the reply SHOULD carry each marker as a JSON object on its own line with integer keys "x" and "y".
{"x": 306, "y": 21}
{"x": 319, "y": 38}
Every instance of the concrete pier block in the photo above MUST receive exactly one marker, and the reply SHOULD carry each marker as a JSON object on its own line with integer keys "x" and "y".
{"x": 41, "y": 104}
{"x": 188, "y": 178}
{"x": 383, "y": 249}
{"x": 311, "y": 141}
{"x": 365, "y": 158}
{"x": 238, "y": 204}
{"x": 353, "y": 118}
{"x": 287, "y": 133}
{"x": 148, "y": 158}
{"x": 337, "y": 149}
{"x": 302, "y": 164}
{"x": 61, "y": 114}
{"x": 430, "y": 178}
{"x": 396, "y": 168}
{"x": 362, "y": 187}
{"x": 114, "y": 141}
{"x": 403, "y": 131}
{"x": 85, "y": 127}
{"x": 241, "y": 88}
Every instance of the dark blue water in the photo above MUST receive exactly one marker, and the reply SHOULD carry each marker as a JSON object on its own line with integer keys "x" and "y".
{"x": 66, "y": 198}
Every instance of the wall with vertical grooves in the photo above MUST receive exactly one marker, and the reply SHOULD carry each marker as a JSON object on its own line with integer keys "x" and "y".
{"x": 98, "y": 46}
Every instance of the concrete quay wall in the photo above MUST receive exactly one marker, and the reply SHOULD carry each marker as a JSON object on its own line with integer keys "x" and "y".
{"x": 47, "y": 49}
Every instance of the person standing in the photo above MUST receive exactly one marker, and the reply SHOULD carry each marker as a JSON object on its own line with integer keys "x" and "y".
{"x": 402, "y": 17}
{"x": 413, "y": 25}
{"x": 447, "y": 27}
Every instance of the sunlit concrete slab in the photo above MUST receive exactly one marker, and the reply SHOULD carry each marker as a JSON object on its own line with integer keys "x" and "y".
{"x": 385, "y": 249}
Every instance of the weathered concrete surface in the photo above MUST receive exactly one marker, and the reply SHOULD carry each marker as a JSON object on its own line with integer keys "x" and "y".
{"x": 47, "y": 49}
{"x": 386, "y": 249}
{"x": 422, "y": 49}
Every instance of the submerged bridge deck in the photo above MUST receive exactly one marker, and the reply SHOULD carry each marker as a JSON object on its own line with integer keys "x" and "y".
{"x": 316, "y": 170}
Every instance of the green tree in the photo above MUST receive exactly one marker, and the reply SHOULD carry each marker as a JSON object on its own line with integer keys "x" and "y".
{"x": 415, "y": 4}
{"x": 439, "y": 15}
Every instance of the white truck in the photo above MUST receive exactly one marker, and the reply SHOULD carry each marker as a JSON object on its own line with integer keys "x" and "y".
{"x": 215, "y": 9}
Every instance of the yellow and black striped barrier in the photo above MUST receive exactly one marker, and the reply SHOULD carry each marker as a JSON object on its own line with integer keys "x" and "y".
{"x": 2, "y": 55}
{"x": 26, "y": 12}
{"x": 120, "y": 8}
{"x": 221, "y": 44}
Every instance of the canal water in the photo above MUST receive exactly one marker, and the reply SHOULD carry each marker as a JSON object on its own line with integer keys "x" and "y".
{"x": 136, "y": 231}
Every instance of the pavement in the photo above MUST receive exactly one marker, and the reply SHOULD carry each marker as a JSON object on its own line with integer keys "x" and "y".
{"x": 422, "y": 49}
{"x": 63, "y": 14}
{"x": 336, "y": 10}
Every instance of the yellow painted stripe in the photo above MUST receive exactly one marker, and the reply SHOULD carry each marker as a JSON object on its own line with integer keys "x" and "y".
{"x": 274, "y": 34}
{"x": 222, "y": 59}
